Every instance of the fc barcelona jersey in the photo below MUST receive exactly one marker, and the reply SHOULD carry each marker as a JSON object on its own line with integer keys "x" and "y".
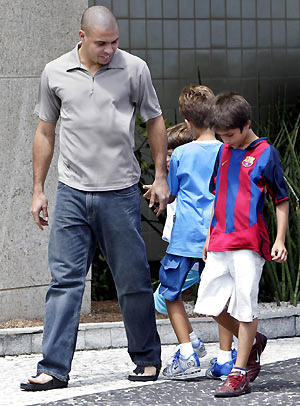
{"x": 239, "y": 180}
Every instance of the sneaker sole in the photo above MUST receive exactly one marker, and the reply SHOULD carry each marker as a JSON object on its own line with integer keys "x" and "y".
{"x": 216, "y": 378}
{"x": 189, "y": 374}
{"x": 231, "y": 395}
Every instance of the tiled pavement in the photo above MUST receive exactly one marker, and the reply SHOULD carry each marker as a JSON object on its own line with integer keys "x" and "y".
{"x": 99, "y": 378}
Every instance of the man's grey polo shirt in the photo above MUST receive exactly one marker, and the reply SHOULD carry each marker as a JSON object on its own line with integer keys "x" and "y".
{"x": 97, "y": 118}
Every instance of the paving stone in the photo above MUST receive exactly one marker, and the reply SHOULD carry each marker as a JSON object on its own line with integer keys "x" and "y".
{"x": 100, "y": 378}
{"x": 278, "y": 384}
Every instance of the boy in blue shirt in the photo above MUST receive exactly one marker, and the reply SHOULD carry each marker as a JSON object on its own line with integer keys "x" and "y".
{"x": 178, "y": 135}
{"x": 190, "y": 169}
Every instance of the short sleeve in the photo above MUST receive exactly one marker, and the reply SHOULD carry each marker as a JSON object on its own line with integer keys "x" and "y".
{"x": 274, "y": 178}
{"x": 213, "y": 179}
{"x": 148, "y": 102}
{"x": 48, "y": 105}
{"x": 172, "y": 176}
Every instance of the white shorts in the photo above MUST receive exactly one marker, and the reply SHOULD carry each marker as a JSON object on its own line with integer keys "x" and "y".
{"x": 233, "y": 275}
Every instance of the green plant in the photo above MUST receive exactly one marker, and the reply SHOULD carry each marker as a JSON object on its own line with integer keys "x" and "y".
{"x": 282, "y": 282}
{"x": 103, "y": 287}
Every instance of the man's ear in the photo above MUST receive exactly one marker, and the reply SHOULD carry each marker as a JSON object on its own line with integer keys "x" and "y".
{"x": 188, "y": 124}
{"x": 81, "y": 34}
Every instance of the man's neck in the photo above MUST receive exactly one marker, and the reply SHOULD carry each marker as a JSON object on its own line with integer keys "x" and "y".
{"x": 89, "y": 65}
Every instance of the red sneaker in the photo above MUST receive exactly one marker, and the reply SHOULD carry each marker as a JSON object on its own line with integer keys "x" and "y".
{"x": 236, "y": 384}
{"x": 253, "y": 364}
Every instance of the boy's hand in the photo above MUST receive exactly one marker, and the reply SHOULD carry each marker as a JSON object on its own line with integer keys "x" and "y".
{"x": 205, "y": 249}
{"x": 279, "y": 252}
{"x": 147, "y": 194}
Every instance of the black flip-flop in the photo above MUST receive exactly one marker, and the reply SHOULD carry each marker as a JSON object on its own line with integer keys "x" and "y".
{"x": 53, "y": 384}
{"x": 140, "y": 369}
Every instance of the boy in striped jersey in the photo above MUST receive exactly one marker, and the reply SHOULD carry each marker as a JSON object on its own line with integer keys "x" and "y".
{"x": 237, "y": 244}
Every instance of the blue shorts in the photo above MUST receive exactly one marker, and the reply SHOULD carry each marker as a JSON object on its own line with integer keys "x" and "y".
{"x": 173, "y": 273}
{"x": 192, "y": 277}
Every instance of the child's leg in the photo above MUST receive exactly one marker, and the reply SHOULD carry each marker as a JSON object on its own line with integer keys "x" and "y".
{"x": 227, "y": 322}
{"x": 244, "y": 331}
{"x": 222, "y": 365}
{"x": 173, "y": 274}
{"x": 246, "y": 335}
{"x": 185, "y": 361}
{"x": 179, "y": 320}
{"x": 225, "y": 337}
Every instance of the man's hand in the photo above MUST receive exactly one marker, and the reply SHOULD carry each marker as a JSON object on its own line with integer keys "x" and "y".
{"x": 40, "y": 204}
{"x": 279, "y": 252}
{"x": 159, "y": 194}
{"x": 157, "y": 135}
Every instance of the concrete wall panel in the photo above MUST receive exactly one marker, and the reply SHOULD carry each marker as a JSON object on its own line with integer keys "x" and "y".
{"x": 32, "y": 34}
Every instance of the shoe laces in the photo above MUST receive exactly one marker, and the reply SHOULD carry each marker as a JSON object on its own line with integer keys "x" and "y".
{"x": 176, "y": 361}
{"x": 235, "y": 379}
{"x": 176, "y": 357}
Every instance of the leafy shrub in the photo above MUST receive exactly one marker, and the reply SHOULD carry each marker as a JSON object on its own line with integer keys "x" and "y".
{"x": 281, "y": 281}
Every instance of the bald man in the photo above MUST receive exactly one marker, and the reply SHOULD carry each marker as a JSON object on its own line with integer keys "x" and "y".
{"x": 95, "y": 90}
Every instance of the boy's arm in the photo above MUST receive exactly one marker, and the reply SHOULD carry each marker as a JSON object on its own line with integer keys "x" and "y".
{"x": 205, "y": 247}
{"x": 212, "y": 189}
{"x": 279, "y": 252}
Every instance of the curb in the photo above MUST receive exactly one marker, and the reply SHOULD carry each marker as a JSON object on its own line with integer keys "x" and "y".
{"x": 99, "y": 336}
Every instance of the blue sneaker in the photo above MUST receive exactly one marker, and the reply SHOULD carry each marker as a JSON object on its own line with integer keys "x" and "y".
{"x": 219, "y": 371}
{"x": 183, "y": 368}
{"x": 200, "y": 348}
{"x": 233, "y": 356}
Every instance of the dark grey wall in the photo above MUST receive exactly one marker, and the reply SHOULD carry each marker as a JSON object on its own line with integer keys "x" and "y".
{"x": 232, "y": 42}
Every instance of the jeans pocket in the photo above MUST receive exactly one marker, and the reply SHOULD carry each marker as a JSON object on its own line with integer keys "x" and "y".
{"x": 61, "y": 186}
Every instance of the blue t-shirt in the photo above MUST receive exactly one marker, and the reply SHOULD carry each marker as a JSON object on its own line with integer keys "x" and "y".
{"x": 191, "y": 167}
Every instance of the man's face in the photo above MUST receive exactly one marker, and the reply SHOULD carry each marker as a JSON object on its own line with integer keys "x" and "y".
{"x": 236, "y": 138}
{"x": 100, "y": 45}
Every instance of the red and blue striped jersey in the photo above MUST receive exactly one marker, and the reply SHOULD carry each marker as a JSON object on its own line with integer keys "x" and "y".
{"x": 239, "y": 180}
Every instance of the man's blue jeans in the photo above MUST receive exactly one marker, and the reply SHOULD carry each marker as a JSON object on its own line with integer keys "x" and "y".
{"x": 80, "y": 220}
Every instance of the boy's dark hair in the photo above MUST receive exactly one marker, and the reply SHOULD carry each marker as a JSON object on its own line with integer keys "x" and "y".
{"x": 194, "y": 104}
{"x": 228, "y": 111}
{"x": 178, "y": 135}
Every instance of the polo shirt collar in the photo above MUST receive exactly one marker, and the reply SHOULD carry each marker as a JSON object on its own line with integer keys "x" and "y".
{"x": 117, "y": 61}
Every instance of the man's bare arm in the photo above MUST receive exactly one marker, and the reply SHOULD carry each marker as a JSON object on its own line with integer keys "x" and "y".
{"x": 43, "y": 147}
{"x": 158, "y": 143}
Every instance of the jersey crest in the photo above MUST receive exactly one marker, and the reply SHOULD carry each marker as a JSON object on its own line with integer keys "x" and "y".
{"x": 248, "y": 161}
